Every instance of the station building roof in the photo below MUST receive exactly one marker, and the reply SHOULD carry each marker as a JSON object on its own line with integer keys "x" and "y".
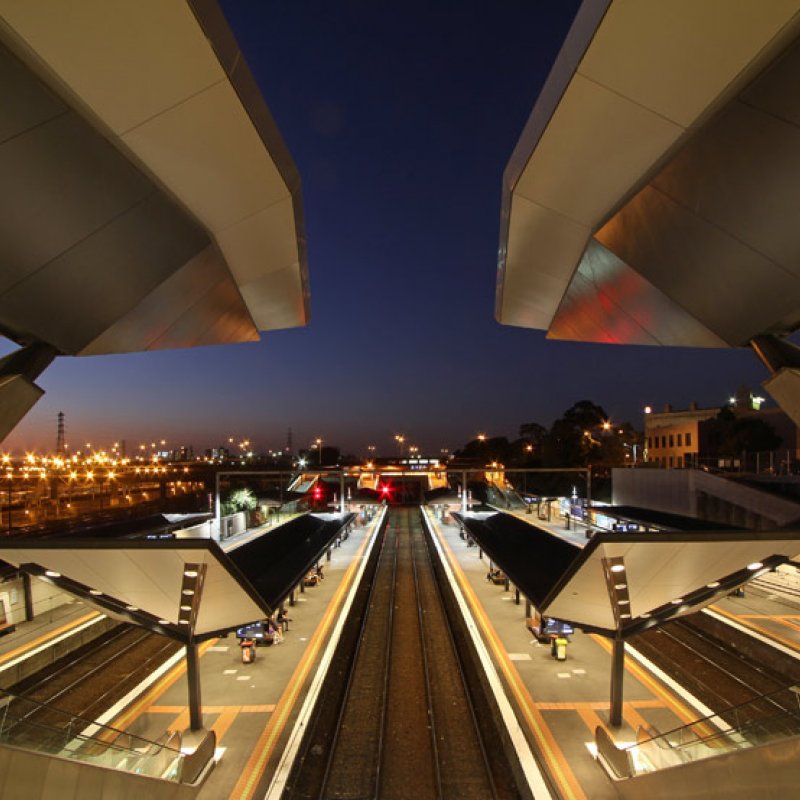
{"x": 658, "y": 519}
{"x": 148, "y": 200}
{"x": 651, "y": 197}
{"x": 533, "y": 558}
{"x": 188, "y": 589}
{"x": 622, "y": 583}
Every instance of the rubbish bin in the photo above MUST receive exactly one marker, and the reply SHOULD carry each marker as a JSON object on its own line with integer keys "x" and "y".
{"x": 561, "y": 649}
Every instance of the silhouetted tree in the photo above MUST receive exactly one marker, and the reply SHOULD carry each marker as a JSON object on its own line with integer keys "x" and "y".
{"x": 731, "y": 435}
{"x": 569, "y": 442}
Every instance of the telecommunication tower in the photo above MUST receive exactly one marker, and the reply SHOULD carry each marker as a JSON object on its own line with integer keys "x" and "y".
{"x": 60, "y": 435}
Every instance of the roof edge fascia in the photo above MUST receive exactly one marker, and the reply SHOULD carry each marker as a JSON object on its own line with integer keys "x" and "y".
{"x": 580, "y": 35}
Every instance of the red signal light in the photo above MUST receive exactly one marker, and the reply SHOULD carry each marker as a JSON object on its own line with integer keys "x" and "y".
{"x": 317, "y": 493}
{"x": 385, "y": 490}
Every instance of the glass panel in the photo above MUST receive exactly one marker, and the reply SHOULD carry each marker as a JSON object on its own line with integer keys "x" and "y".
{"x": 27, "y": 724}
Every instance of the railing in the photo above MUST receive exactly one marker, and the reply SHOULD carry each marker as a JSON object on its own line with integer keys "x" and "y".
{"x": 35, "y": 727}
{"x": 508, "y": 499}
{"x": 762, "y": 720}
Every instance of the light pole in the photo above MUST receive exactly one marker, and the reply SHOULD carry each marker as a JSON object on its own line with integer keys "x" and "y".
{"x": 10, "y": 477}
{"x": 318, "y": 442}
{"x": 399, "y": 438}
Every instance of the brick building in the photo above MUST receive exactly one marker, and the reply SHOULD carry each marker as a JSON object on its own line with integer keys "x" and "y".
{"x": 683, "y": 438}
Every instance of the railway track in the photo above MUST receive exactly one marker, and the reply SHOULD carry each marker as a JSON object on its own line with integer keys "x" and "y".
{"x": 725, "y": 668}
{"x": 90, "y": 680}
{"x": 408, "y": 724}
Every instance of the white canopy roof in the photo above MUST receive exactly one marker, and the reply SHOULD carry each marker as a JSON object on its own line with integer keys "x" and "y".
{"x": 635, "y": 81}
{"x": 144, "y": 580}
{"x": 661, "y": 575}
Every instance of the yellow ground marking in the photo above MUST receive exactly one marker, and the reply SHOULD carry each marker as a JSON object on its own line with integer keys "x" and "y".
{"x": 568, "y": 785}
{"x": 155, "y": 691}
{"x": 181, "y": 721}
{"x": 226, "y": 716}
{"x": 265, "y": 709}
{"x": 592, "y": 720}
{"x": 596, "y": 704}
{"x": 687, "y": 716}
{"x": 224, "y": 721}
{"x": 257, "y": 763}
{"x": 633, "y": 718}
{"x": 790, "y": 643}
{"x": 47, "y": 637}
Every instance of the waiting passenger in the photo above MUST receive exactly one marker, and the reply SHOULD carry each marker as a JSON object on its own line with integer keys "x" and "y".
{"x": 283, "y": 619}
{"x": 273, "y": 631}
{"x": 495, "y": 576}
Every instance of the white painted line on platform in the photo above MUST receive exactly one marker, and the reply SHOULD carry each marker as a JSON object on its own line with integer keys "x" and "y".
{"x": 530, "y": 767}
{"x": 579, "y": 672}
{"x": 701, "y": 708}
{"x": 564, "y": 674}
{"x": 519, "y": 656}
{"x": 281, "y": 775}
{"x": 240, "y": 677}
{"x": 50, "y": 642}
{"x": 133, "y": 694}
{"x": 755, "y": 634}
{"x": 217, "y": 648}
{"x": 229, "y": 671}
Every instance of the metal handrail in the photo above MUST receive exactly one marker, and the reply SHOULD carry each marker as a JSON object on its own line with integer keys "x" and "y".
{"x": 78, "y": 736}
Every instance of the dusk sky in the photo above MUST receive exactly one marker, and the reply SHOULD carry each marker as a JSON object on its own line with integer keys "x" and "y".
{"x": 401, "y": 119}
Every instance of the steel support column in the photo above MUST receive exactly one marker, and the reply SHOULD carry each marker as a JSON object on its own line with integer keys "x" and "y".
{"x": 28, "y": 593}
{"x": 617, "y": 675}
{"x": 193, "y": 677}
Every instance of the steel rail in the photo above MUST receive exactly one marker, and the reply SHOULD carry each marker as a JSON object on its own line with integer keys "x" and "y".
{"x": 83, "y": 677}
{"x": 350, "y": 679}
{"x": 460, "y": 666}
{"x": 423, "y": 640}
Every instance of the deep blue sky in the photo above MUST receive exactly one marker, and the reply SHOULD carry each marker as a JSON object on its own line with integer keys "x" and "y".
{"x": 401, "y": 118}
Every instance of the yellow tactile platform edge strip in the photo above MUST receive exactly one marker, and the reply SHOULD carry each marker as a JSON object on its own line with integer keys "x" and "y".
{"x": 12, "y": 657}
{"x": 474, "y": 615}
{"x": 257, "y": 763}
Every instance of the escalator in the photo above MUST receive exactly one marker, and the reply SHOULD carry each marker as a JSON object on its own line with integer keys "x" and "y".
{"x": 733, "y": 754}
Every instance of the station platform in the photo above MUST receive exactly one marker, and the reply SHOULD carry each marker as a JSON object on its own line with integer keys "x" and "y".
{"x": 254, "y": 708}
